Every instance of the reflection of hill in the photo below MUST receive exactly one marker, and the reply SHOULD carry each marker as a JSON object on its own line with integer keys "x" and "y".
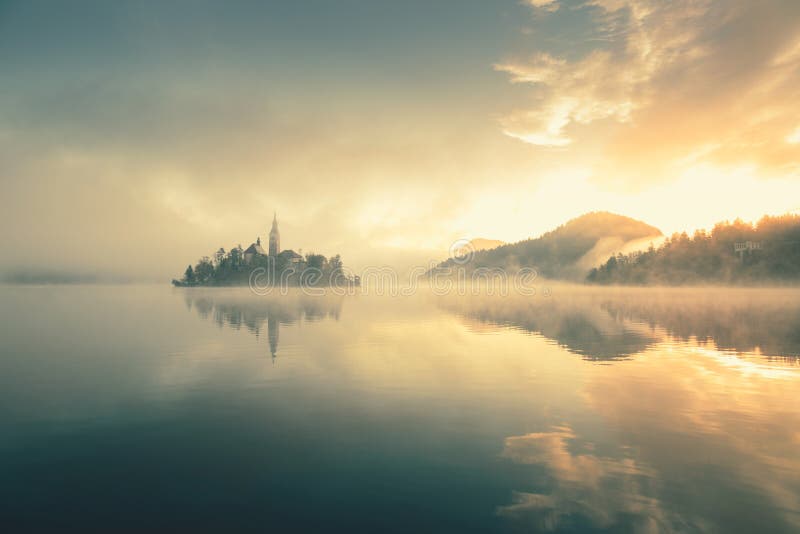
{"x": 745, "y": 322}
{"x": 236, "y": 309}
{"x": 579, "y": 325}
{"x": 616, "y": 324}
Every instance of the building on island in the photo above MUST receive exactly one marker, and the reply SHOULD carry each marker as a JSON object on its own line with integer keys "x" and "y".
{"x": 274, "y": 237}
{"x": 253, "y": 250}
{"x": 289, "y": 256}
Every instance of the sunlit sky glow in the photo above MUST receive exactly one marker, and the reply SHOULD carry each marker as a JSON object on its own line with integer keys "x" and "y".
{"x": 136, "y": 137}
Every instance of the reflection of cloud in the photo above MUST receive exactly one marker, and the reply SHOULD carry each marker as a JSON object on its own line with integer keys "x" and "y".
{"x": 710, "y": 420}
{"x": 551, "y": 448}
{"x": 687, "y": 428}
{"x": 602, "y": 490}
{"x": 702, "y": 436}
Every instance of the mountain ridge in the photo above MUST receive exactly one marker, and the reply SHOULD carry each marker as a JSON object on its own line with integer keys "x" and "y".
{"x": 568, "y": 251}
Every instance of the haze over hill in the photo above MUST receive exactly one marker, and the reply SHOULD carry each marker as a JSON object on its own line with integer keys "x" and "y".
{"x": 571, "y": 249}
{"x": 474, "y": 245}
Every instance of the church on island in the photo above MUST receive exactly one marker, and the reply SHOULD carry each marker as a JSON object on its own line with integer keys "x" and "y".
{"x": 238, "y": 266}
{"x": 255, "y": 249}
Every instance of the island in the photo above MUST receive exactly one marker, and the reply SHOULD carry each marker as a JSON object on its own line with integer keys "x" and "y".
{"x": 273, "y": 267}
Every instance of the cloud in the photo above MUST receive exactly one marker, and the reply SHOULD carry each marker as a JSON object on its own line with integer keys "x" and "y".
{"x": 663, "y": 80}
{"x": 548, "y": 5}
{"x": 163, "y": 138}
{"x": 569, "y": 93}
{"x": 794, "y": 137}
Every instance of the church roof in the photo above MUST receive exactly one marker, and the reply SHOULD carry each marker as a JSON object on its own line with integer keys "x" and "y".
{"x": 274, "y": 229}
{"x": 289, "y": 253}
{"x": 255, "y": 248}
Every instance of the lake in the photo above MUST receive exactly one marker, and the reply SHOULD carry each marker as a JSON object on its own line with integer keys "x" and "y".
{"x": 136, "y": 408}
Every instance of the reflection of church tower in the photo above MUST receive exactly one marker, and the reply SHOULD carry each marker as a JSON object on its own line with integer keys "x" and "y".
{"x": 272, "y": 334}
{"x": 274, "y": 238}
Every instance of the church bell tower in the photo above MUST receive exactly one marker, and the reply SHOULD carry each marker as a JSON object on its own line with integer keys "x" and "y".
{"x": 274, "y": 237}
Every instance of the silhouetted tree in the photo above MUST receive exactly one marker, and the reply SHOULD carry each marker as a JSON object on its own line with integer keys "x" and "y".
{"x": 188, "y": 276}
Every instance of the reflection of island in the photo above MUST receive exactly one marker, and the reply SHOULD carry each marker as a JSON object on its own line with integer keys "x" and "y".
{"x": 273, "y": 328}
{"x": 613, "y": 325}
{"x": 234, "y": 310}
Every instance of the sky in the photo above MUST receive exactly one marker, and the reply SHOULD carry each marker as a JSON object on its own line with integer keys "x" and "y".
{"x": 136, "y": 137}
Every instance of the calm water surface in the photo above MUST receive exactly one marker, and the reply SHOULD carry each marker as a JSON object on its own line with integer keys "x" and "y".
{"x": 141, "y": 408}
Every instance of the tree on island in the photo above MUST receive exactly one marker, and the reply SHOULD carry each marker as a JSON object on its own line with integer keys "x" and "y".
{"x": 188, "y": 276}
{"x": 232, "y": 268}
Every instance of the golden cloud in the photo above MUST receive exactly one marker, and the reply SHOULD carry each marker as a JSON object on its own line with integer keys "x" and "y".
{"x": 670, "y": 84}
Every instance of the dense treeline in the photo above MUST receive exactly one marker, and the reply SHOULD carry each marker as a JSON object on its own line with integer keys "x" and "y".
{"x": 771, "y": 253}
{"x": 233, "y": 268}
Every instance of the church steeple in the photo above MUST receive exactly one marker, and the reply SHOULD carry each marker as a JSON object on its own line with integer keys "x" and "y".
{"x": 274, "y": 237}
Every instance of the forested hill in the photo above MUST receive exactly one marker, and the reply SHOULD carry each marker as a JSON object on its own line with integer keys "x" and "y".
{"x": 568, "y": 251}
{"x": 732, "y": 253}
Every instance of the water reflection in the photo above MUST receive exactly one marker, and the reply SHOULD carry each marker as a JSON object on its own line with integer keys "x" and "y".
{"x": 691, "y": 429}
{"x": 766, "y": 322}
{"x": 235, "y": 309}
{"x": 679, "y": 441}
{"x": 613, "y": 324}
{"x": 424, "y": 415}
{"x": 694, "y": 430}
{"x": 587, "y": 488}
{"x": 580, "y": 326}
